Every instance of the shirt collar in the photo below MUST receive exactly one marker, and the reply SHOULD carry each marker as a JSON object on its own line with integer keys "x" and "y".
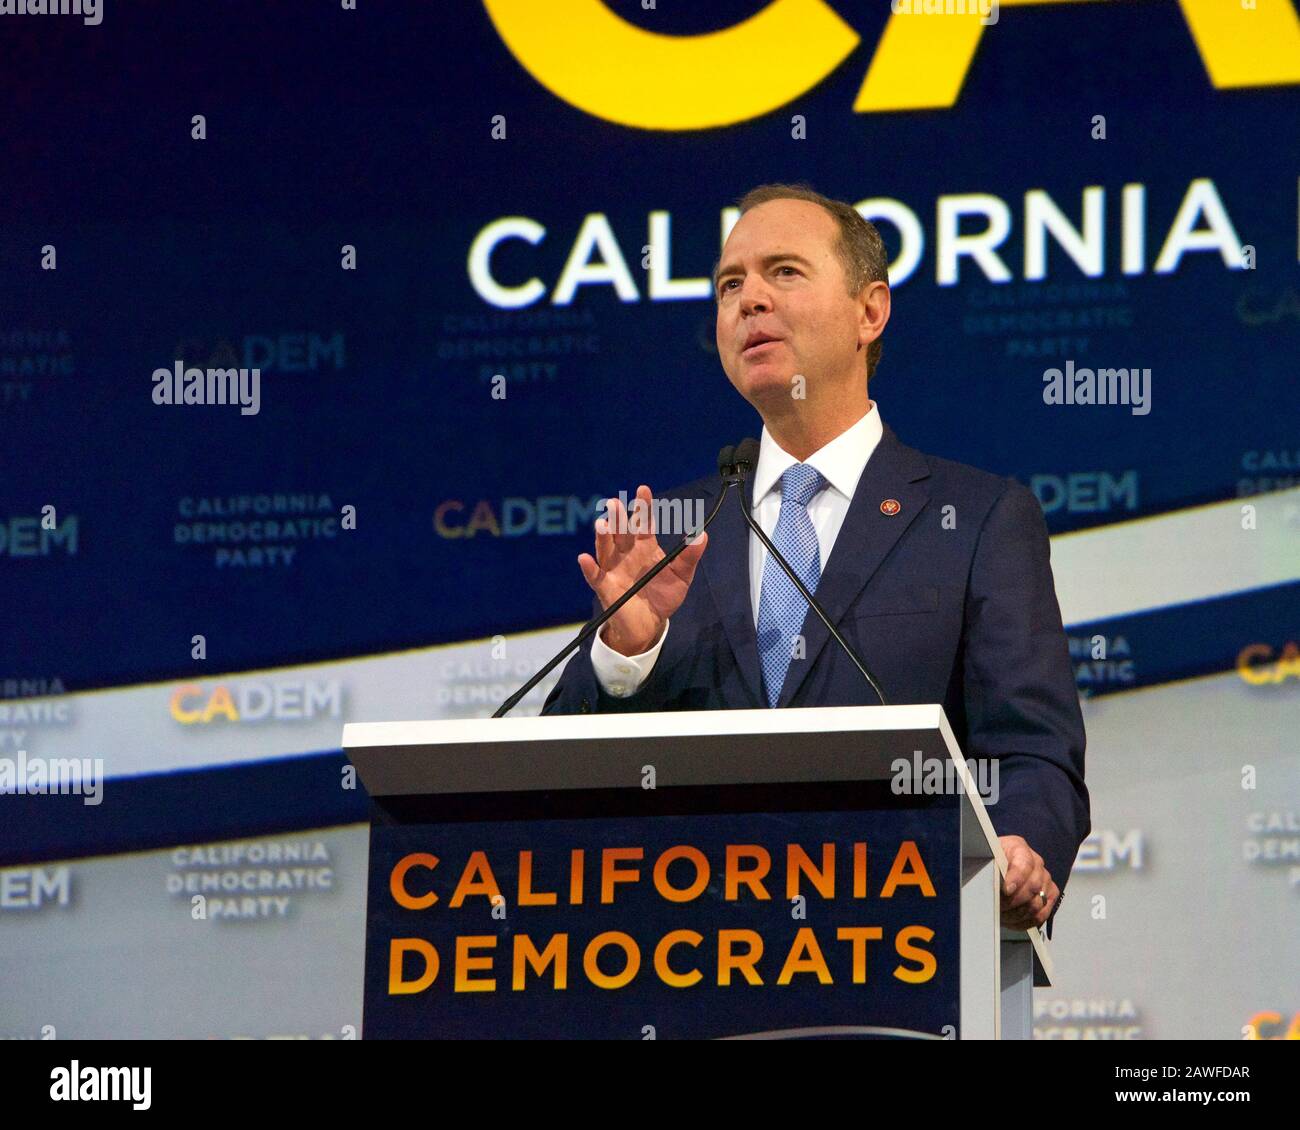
{"x": 841, "y": 462}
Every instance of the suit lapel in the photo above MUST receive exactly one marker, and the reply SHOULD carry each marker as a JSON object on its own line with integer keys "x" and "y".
{"x": 894, "y": 471}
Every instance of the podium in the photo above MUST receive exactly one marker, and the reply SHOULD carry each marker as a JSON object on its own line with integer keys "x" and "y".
{"x": 812, "y": 873}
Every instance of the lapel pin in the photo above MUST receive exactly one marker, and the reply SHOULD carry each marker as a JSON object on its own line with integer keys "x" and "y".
{"x": 890, "y": 506}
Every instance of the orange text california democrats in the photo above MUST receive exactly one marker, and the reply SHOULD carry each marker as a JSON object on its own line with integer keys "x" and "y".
{"x": 503, "y": 941}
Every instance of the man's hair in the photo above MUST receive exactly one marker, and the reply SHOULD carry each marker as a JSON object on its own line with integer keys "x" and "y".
{"x": 860, "y": 249}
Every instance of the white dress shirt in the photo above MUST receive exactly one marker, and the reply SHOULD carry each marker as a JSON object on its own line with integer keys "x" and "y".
{"x": 841, "y": 463}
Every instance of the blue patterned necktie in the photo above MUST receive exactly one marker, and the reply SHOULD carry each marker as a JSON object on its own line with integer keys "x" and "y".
{"x": 781, "y": 609}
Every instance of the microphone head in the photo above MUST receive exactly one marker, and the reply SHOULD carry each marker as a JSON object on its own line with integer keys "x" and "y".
{"x": 746, "y": 456}
{"x": 726, "y": 461}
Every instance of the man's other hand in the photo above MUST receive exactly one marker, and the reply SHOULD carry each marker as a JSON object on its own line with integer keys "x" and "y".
{"x": 1022, "y": 904}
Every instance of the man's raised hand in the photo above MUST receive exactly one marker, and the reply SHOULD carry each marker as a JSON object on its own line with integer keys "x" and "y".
{"x": 626, "y": 548}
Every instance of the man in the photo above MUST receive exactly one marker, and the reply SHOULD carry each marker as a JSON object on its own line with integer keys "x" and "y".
{"x": 939, "y": 575}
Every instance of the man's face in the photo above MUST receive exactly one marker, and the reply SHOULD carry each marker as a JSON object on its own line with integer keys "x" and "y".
{"x": 780, "y": 278}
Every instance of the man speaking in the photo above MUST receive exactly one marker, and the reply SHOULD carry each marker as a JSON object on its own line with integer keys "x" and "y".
{"x": 936, "y": 572}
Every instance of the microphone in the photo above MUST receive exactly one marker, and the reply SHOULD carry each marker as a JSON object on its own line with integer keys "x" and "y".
{"x": 746, "y": 456}
{"x": 731, "y": 476}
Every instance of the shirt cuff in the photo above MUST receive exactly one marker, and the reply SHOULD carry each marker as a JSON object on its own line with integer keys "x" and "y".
{"x": 621, "y": 676}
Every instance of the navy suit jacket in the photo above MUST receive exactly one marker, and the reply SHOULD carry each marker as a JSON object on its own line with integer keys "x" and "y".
{"x": 961, "y": 612}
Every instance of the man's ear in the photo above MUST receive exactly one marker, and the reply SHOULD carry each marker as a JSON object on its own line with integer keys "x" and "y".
{"x": 873, "y": 311}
